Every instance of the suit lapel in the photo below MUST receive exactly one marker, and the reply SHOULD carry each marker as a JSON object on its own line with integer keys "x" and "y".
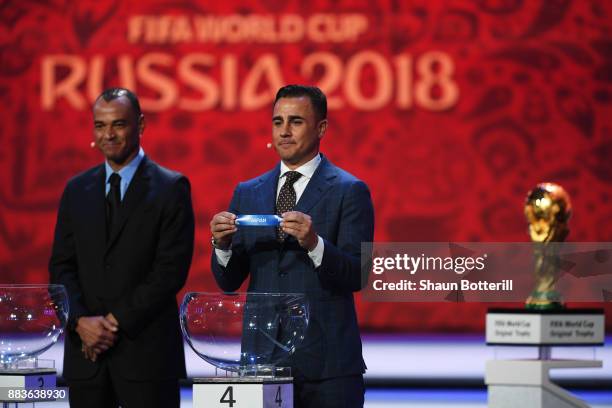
{"x": 265, "y": 192}
{"x": 321, "y": 181}
{"x": 133, "y": 196}
{"x": 95, "y": 207}
{"x": 265, "y": 200}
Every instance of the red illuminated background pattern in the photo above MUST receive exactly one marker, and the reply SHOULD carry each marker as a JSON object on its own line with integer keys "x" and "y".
{"x": 532, "y": 81}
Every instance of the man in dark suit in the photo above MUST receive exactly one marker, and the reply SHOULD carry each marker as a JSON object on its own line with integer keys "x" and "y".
{"x": 326, "y": 215}
{"x": 123, "y": 246}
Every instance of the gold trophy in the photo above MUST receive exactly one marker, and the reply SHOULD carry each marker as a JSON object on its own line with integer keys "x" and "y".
{"x": 548, "y": 209}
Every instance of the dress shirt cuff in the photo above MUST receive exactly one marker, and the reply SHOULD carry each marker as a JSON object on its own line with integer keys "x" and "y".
{"x": 316, "y": 255}
{"x": 224, "y": 255}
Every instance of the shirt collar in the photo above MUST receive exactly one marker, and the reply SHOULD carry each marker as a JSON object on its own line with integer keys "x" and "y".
{"x": 128, "y": 171}
{"x": 306, "y": 169}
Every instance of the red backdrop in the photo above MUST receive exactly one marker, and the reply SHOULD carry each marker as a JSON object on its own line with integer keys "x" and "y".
{"x": 450, "y": 111}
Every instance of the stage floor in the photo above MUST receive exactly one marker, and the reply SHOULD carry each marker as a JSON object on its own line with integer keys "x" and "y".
{"x": 451, "y": 367}
{"x": 415, "y": 398}
{"x": 439, "y": 398}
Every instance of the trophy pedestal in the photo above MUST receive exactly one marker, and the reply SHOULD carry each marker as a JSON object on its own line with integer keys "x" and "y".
{"x": 243, "y": 392}
{"x": 526, "y": 383}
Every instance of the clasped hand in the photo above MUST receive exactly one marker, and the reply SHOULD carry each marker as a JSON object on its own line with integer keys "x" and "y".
{"x": 97, "y": 333}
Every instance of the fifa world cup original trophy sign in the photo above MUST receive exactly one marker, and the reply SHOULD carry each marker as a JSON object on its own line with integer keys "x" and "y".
{"x": 548, "y": 210}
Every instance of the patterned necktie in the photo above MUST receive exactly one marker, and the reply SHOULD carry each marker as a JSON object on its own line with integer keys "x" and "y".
{"x": 113, "y": 203}
{"x": 286, "y": 199}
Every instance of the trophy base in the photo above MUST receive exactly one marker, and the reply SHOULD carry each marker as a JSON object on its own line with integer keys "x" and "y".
{"x": 544, "y": 306}
{"x": 243, "y": 392}
{"x": 550, "y": 300}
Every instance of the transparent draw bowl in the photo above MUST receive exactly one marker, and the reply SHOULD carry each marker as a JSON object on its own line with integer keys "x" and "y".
{"x": 32, "y": 317}
{"x": 247, "y": 333}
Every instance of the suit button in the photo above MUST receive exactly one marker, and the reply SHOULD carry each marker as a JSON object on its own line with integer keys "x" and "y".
{"x": 107, "y": 267}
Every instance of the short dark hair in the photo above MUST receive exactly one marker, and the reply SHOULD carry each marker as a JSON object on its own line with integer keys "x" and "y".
{"x": 111, "y": 94}
{"x": 316, "y": 96}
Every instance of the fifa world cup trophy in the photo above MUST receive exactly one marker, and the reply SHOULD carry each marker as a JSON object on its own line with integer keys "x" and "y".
{"x": 548, "y": 209}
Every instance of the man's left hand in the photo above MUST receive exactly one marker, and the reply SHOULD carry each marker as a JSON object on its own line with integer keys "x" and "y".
{"x": 300, "y": 226}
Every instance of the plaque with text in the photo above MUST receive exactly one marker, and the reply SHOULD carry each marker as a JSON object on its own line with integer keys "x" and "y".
{"x": 522, "y": 327}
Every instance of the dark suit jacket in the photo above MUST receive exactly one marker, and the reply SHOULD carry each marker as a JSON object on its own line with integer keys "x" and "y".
{"x": 135, "y": 274}
{"x": 342, "y": 214}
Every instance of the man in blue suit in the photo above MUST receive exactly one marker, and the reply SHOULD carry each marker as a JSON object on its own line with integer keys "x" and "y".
{"x": 326, "y": 214}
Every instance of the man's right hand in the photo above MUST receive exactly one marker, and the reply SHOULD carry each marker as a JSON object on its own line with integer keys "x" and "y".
{"x": 97, "y": 333}
{"x": 223, "y": 227}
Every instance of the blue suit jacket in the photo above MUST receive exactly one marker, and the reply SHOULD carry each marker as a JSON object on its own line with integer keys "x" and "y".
{"x": 342, "y": 214}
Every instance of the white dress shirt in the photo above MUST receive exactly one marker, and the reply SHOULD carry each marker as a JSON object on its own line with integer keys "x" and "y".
{"x": 306, "y": 170}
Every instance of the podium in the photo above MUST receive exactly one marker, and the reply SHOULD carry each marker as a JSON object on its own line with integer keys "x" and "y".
{"x": 243, "y": 392}
{"x": 248, "y": 337}
{"x": 526, "y": 383}
{"x": 29, "y": 381}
